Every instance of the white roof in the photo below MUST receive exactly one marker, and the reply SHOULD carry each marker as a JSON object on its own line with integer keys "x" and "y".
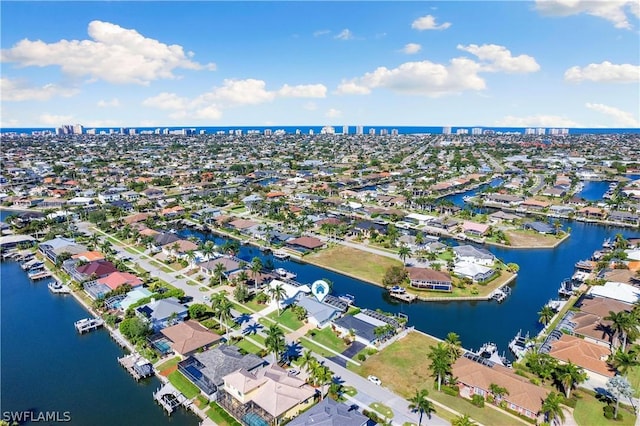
{"x": 616, "y": 291}
{"x": 420, "y": 217}
{"x": 469, "y": 268}
{"x": 633, "y": 254}
{"x": 370, "y": 320}
{"x": 290, "y": 289}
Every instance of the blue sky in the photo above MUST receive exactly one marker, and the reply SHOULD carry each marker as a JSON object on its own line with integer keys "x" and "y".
{"x": 550, "y": 63}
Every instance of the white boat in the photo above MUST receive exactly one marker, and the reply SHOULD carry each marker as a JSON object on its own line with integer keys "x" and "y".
{"x": 281, "y": 255}
{"x": 489, "y": 351}
{"x": 59, "y": 288}
{"x": 347, "y": 298}
{"x": 286, "y": 274}
{"x": 520, "y": 345}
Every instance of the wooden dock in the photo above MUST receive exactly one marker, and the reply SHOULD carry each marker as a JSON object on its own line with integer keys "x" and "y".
{"x": 39, "y": 275}
{"x": 405, "y": 297}
{"x": 59, "y": 288}
{"x": 88, "y": 324}
{"x": 169, "y": 397}
{"x": 137, "y": 366}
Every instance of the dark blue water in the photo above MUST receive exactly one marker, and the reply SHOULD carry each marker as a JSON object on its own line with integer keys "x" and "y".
{"x": 458, "y": 200}
{"x": 541, "y": 272}
{"x": 403, "y": 130}
{"x": 593, "y": 190}
{"x": 47, "y": 366}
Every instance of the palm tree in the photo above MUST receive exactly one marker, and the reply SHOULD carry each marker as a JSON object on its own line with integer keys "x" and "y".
{"x": 277, "y": 293}
{"x": 569, "y": 375}
{"x": 306, "y": 360}
{"x": 551, "y": 407}
{"x": 622, "y": 361}
{"x": 94, "y": 239}
{"x": 498, "y": 391}
{"x": 191, "y": 256}
{"x": 105, "y": 247}
{"x": 463, "y": 420}
{"x": 623, "y": 324}
{"x": 453, "y": 345}
{"x": 207, "y": 249}
{"x": 256, "y": 267}
{"x": 421, "y": 404}
{"x": 219, "y": 270}
{"x": 275, "y": 341}
{"x": 404, "y": 252}
{"x": 545, "y": 315}
{"x": 323, "y": 376}
{"x": 440, "y": 361}
{"x": 222, "y": 307}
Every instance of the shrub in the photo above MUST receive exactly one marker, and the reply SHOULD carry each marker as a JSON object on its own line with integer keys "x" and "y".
{"x": 362, "y": 357}
{"x": 608, "y": 412}
{"x": 477, "y": 400}
{"x": 450, "y": 390}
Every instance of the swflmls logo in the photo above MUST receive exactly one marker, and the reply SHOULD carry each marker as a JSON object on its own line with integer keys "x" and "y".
{"x": 36, "y": 416}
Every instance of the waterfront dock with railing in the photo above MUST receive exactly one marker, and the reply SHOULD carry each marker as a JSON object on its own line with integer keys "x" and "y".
{"x": 88, "y": 324}
{"x": 137, "y": 366}
{"x": 58, "y": 288}
{"x": 169, "y": 397}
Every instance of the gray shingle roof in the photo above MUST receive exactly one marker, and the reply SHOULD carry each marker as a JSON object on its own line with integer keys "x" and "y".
{"x": 330, "y": 413}
{"x": 224, "y": 360}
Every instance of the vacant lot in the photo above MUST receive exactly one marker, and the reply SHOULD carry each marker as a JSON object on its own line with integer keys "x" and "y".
{"x": 358, "y": 263}
{"x": 524, "y": 238}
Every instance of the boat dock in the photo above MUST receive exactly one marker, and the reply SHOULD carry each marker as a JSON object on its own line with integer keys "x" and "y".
{"x": 59, "y": 288}
{"x": 500, "y": 294}
{"x": 169, "y": 397}
{"x": 400, "y": 293}
{"x": 35, "y": 276}
{"x": 280, "y": 255}
{"x": 88, "y": 324}
{"x": 137, "y": 366}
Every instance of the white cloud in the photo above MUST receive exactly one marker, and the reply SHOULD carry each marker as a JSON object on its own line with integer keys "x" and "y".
{"x": 17, "y": 90}
{"x": 321, "y": 33}
{"x": 101, "y": 123}
{"x": 604, "y": 72}
{"x": 614, "y": 11}
{"x": 428, "y": 22}
{"x": 345, "y": 34}
{"x": 233, "y": 93}
{"x": 333, "y": 113}
{"x": 411, "y": 48}
{"x": 106, "y": 104}
{"x": 9, "y": 122}
{"x": 420, "y": 78}
{"x": 499, "y": 58}
{"x": 537, "y": 121}
{"x": 113, "y": 54}
{"x": 47, "y": 119}
{"x": 167, "y": 101}
{"x": 620, "y": 117}
{"x": 303, "y": 91}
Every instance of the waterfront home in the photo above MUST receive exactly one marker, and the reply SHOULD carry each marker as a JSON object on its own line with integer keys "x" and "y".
{"x": 12, "y": 241}
{"x": 474, "y": 378}
{"x": 446, "y": 223}
{"x": 616, "y": 291}
{"x": 418, "y": 219}
{"x": 291, "y": 292}
{"x": 116, "y": 279}
{"x": 362, "y": 327}
{"x": 229, "y": 264}
{"x": 242, "y": 224}
{"x": 88, "y": 256}
{"x": 561, "y": 210}
{"x": 592, "y": 213}
{"x": 429, "y": 279}
{"x": 590, "y": 327}
{"x": 124, "y": 301}
{"x": 500, "y": 216}
{"x": 305, "y": 244}
{"x": 475, "y": 229}
{"x": 504, "y": 200}
{"x": 477, "y": 273}
{"x": 471, "y": 254}
{"x": 188, "y": 337}
{"x": 624, "y": 217}
{"x": 540, "y": 227}
{"x": 179, "y": 248}
{"x": 207, "y": 369}
{"x": 51, "y": 249}
{"x": 88, "y": 271}
{"x": 366, "y": 228}
{"x": 329, "y": 412}
{"x": 163, "y": 239}
{"x": 533, "y": 205}
{"x": 267, "y": 396}
{"x": 319, "y": 314}
{"x": 162, "y": 313}
{"x": 590, "y": 356}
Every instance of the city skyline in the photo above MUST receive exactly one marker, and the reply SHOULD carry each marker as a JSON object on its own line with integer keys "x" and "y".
{"x": 509, "y": 64}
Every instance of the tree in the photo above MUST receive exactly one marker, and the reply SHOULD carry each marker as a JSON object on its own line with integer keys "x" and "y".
{"x": 222, "y": 308}
{"x": 404, "y": 252}
{"x": 622, "y": 361}
{"x": 197, "y": 310}
{"x": 498, "y": 391}
{"x": 545, "y": 315}
{"x": 569, "y": 375}
{"x": 618, "y": 386}
{"x": 256, "y": 267}
{"x": 218, "y": 271}
{"x": 134, "y": 329}
{"x": 306, "y": 360}
{"x": 453, "y": 345}
{"x": 624, "y": 324}
{"x": 551, "y": 407}
{"x": 395, "y": 275}
{"x": 275, "y": 341}
{"x": 463, "y": 420}
{"x": 440, "y": 362}
{"x": 421, "y": 404}
{"x": 277, "y": 293}
{"x": 323, "y": 376}
{"x": 241, "y": 292}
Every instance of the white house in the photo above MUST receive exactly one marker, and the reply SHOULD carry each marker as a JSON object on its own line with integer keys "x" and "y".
{"x": 474, "y": 271}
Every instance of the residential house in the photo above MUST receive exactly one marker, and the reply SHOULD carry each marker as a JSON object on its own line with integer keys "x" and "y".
{"x": 533, "y": 205}
{"x": 590, "y": 356}
{"x": 429, "y": 279}
{"x": 475, "y": 379}
{"x": 304, "y": 244}
{"x": 476, "y": 229}
{"x": 477, "y": 272}
{"x": 540, "y": 227}
{"x": 292, "y": 292}
{"x": 51, "y": 249}
{"x": 624, "y": 217}
{"x": 469, "y": 253}
{"x": 318, "y": 313}
{"x": 592, "y": 213}
{"x": 329, "y": 412}
{"x": 362, "y": 326}
{"x": 267, "y": 396}
{"x": 230, "y": 266}
{"x": 89, "y": 271}
{"x": 179, "y": 248}
{"x": 505, "y": 200}
{"x": 162, "y": 313}
{"x": 207, "y": 369}
{"x": 189, "y": 336}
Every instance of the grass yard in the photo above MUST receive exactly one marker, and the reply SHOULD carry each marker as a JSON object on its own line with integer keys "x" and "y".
{"x": 350, "y": 390}
{"x": 589, "y": 412}
{"x": 183, "y": 384}
{"x": 382, "y": 409}
{"x": 248, "y": 346}
{"x": 286, "y": 318}
{"x": 308, "y": 344}
{"x": 633, "y": 375}
{"x": 169, "y": 364}
{"x": 483, "y": 290}
{"x": 404, "y": 368}
{"x": 131, "y": 250}
{"x": 328, "y": 338}
{"x": 529, "y": 238}
{"x": 255, "y": 306}
{"x": 241, "y": 308}
{"x": 364, "y": 265}
{"x": 220, "y": 417}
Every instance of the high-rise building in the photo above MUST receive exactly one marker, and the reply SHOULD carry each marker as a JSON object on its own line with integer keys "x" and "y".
{"x": 268, "y": 132}
{"x": 384, "y": 132}
{"x": 476, "y": 131}
{"x": 359, "y": 130}
{"x": 394, "y": 132}
{"x": 78, "y": 129}
{"x": 540, "y": 131}
{"x": 372, "y": 131}
{"x": 529, "y": 131}
{"x": 345, "y": 130}
{"x": 446, "y": 130}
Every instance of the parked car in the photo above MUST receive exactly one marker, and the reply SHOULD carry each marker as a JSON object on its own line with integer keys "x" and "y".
{"x": 293, "y": 372}
{"x": 375, "y": 380}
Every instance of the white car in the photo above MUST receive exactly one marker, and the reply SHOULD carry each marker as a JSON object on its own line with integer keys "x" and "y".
{"x": 375, "y": 380}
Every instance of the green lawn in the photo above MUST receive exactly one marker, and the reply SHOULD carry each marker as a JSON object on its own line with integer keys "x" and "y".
{"x": 367, "y": 266}
{"x": 131, "y": 250}
{"x": 248, "y": 346}
{"x": 308, "y": 344}
{"x": 286, "y": 318}
{"x": 252, "y": 304}
{"x": 328, "y": 338}
{"x": 350, "y": 390}
{"x": 633, "y": 375}
{"x": 382, "y": 409}
{"x": 258, "y": 338}
{"x": 183, "y": 384}
{"x": 589, "y": 412}
{"x": 241, "y": 308}
{"x": 168, "y": 364}
{"x": 221, "y": 417}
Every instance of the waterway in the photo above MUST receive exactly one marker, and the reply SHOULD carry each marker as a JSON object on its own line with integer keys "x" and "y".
{"x": 594, "y": 190}
{"x": 458, "y": 200}
{"x": 47, "y": 367}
